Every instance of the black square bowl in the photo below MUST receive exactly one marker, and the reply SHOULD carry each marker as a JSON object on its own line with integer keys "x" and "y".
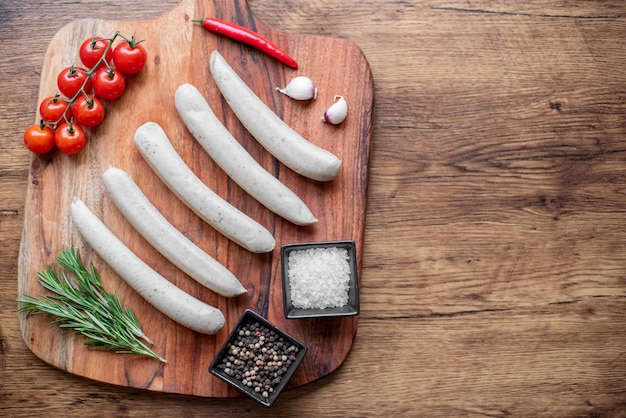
{"x": 350, "y": 309}
{"x": 290, "y": 353}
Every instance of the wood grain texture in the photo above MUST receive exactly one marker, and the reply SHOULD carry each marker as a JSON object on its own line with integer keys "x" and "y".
{"x": 494, "y": 269}
{"x": 179, "y": 53}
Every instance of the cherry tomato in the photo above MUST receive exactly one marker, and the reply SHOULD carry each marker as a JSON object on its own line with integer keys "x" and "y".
{"x": 70, "y": 138}
{"x": 92, "y": 49}
{"x": 88, "y": 110}
{"x": 39, "y": 138}
{"x": 71, "y": 79}
{"x": 130, "y": 56}
{"x": 52, "y": 108}
{"x": 108, "y": 84}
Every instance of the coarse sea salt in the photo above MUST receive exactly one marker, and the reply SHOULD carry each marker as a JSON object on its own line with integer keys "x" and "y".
{"x": 319, "y": 277}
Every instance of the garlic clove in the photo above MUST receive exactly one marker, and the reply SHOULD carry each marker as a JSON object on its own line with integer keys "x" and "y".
{"x": 300, "y": 88}
{"x": 336, "y": 113}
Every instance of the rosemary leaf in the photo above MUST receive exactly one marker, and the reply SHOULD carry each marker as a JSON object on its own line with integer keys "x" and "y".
{"x": 80, "y": 302}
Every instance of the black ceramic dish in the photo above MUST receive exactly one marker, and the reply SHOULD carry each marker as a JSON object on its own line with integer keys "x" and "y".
{"x": 352, "y": 308}
{"x": 293, "y": 356}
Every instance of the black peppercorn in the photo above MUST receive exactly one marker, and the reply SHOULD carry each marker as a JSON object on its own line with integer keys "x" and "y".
{"x": 258, "y": 358}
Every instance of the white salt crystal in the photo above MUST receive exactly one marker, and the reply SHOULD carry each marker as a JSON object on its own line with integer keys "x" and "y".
{"x": 319, "y": 277}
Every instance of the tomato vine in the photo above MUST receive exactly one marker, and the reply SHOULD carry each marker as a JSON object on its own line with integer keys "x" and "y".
{"x": 80, "y": 90}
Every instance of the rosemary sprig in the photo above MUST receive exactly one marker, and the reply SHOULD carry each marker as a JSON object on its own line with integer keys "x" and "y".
{"x": 81, "y": 303}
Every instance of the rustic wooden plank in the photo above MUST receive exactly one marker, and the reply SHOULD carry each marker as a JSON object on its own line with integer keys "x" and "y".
{"x": 476, "y": 300}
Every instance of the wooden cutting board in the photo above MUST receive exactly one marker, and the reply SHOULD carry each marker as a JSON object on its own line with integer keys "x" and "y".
{"x": 179, "y": 53}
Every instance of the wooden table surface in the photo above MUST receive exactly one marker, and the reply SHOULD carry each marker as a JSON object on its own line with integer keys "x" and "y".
{"x": 494, "y": 267}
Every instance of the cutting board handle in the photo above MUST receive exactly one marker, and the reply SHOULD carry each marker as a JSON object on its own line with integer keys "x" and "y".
{"x": 235, "y": 11}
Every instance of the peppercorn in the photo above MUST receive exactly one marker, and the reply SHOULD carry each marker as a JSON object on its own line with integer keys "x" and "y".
{"x": 258, "y": 358}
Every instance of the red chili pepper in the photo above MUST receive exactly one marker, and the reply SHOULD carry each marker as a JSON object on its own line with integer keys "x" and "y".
{"x": 246, "y": 36}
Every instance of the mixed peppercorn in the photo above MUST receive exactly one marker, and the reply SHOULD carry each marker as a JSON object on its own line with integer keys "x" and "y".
{"x": 258, "y": 357}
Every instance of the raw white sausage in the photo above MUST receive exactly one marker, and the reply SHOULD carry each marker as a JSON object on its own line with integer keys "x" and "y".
{"x": 278, "y": 138}
{"x": 156, "y": 289}
{"x": 156, "y": 148}
{"x": 165, "y": 238}
{"x": 235, "y": 160}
